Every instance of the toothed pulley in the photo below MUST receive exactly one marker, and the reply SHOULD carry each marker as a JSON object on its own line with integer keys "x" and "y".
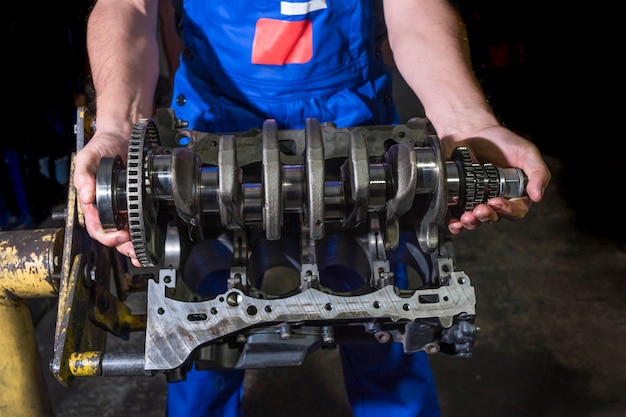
{"x": 133, "y": 204}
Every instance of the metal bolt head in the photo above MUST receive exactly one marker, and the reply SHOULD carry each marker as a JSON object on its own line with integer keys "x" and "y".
{"x": 432, "y": 348}
{"x": 382, "y": 337}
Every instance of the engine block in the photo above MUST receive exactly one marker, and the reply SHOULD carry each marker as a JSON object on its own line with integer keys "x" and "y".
{"x": 262, "y": 246}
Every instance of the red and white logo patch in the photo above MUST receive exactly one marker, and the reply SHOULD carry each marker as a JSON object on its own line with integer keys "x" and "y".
{"x": 280, "y": 42}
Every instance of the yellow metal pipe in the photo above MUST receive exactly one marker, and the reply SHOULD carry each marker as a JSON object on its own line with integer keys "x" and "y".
{"x": 23, "y": 393}
{"x": 29, "y": 261}
{"x": 86, "y": 363}
{"x": 30, "y": 265}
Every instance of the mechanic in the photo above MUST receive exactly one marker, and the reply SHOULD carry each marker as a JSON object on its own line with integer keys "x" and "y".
{"x": 245, "y": 61}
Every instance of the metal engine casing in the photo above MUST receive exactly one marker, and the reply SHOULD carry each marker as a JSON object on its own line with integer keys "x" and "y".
{"x": 260, "y": 247}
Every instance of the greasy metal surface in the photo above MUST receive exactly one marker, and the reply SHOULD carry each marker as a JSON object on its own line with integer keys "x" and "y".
{"x": 403, "y": 165}
{"x": 335, "y": 142}
{"x": 206, "y": 321}
{"x": 316, "y": 199}
{"x": 357, "y": 172}
{"x": 229, "y": 179}
{"x": 29, "y": 262}
{"x": 315, "y": 179}
{"x": 272, "y": 183}
{"x": 428, "y": 235}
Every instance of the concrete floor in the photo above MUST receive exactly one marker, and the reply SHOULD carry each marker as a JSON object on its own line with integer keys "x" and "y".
{"x": 550, "y": 305}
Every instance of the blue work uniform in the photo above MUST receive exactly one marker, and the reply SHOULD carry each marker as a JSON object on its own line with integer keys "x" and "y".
{"x": 249, "y": 60}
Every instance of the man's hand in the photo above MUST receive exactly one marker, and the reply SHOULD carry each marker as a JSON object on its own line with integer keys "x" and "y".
{"x": 86, "y": 164}
{"x": 504, "y": 148}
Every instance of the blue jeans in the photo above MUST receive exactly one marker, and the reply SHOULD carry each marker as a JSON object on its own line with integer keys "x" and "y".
{"x": 380, "y": 379}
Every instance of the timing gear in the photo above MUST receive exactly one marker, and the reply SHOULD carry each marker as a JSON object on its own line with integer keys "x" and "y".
{"x": 146, "y": 234}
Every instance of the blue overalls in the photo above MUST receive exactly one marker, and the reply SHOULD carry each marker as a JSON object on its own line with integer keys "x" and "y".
{"x": 249, "y": 60}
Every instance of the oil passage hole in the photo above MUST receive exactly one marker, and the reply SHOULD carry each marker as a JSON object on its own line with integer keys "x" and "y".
{"x": 233, "y": 299}
{"x": 428, "y": 299}
{"x": 197, "y": 317}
